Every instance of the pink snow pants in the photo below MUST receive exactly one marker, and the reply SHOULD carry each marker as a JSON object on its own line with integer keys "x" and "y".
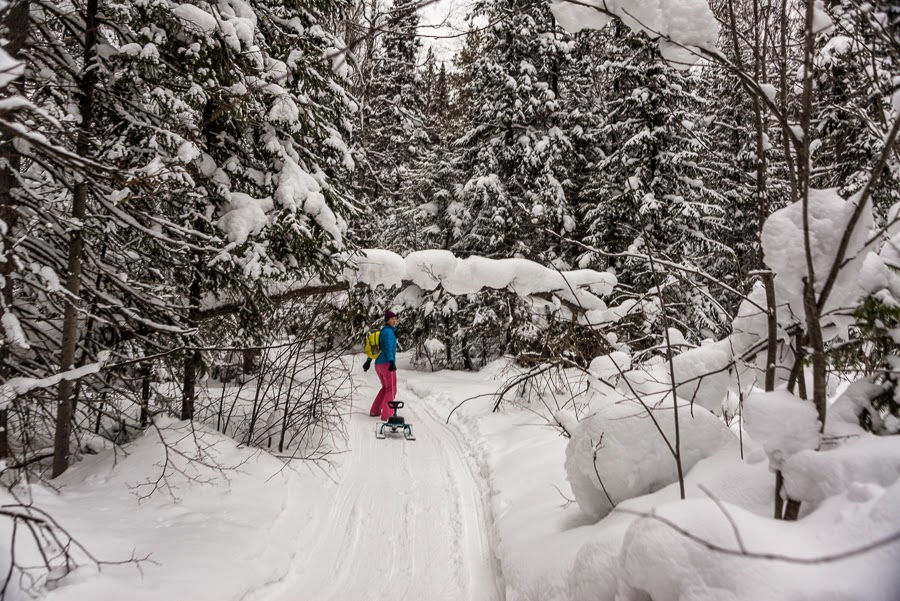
{"x": 387, "y": 393}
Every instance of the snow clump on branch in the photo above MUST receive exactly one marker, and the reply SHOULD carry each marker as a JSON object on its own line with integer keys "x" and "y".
{"x": 429, "y": 269}
{"x": 782, "y": 242}
{"x": 683, "y": 24}
{"x": 783, "y": 423}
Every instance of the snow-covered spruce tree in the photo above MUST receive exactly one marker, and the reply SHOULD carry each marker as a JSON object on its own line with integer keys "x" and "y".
{"x": 394, "y": 137}
{"x": 854, "y": 71}
{"x": 262, "y": 122}
{"x": 432, "y": 220}
{"x": 854, "y": 68}
{"x": 421, "y": 217}
{"x": 14, "y": 31}
{"x": 518, "y": 134}
{"x": 71, "y": 283}
{"x": 649, "y": 194}
{"x": 209, "y": 118}
{"x": 745, "y": 142}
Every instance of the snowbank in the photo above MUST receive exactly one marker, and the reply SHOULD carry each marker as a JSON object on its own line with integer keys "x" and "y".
{"x": 550, "y": 550}
{"x": 595, "y": 573}
{"x": 536, "y": 531}
{"x": 851, "y": 468}
{"x": 779, "y": 561}
{"x": 216, "y": 528}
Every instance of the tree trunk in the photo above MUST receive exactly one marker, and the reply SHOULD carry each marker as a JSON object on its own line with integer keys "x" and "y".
{"x": 779, "y": 502}
{"x": 820, "y": 367}
{"x": 250, "y": 361}
{"x": 146, "y": 372}
{"x": 66, "y": 402}
{"x": 189, "y": 390}
{"x": 4, "y": 436}
{"x": 772, "y": 327}
{"x": 16, "y": 25}
{"x": 194, "y": 360}
{"x": 792, "y": 510}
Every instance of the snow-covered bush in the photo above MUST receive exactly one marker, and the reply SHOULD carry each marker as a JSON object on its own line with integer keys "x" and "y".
{"x": 435, "y": 352}
{"x": 619, "y": 452}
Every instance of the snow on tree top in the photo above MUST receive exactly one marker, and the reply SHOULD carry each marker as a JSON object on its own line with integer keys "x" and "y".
{"x": 782, "y": 241}
{"x": 235, "y": 21}
{"x": 196, "y": 15}
{"x": 245, "y": 216}
{"x": 297, "y": 189}
{"x": 683, "y": 24}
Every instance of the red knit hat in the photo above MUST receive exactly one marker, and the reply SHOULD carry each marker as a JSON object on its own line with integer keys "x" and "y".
{"x": 388, "y": 315}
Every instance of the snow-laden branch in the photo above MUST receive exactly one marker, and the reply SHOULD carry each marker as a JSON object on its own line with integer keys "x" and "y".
{"x": 16, "y": 387}
{"x": 680, "y": 24}
{"x": 431, "y": 269}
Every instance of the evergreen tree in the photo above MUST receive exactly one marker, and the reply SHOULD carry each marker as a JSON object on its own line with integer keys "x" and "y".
{"x": 205, "y": 160}
{"x": 394, "y": 134}
{"x": 855, "y": 73}
{"x": 519, "y": 134}
{"x": 649, "y": 193}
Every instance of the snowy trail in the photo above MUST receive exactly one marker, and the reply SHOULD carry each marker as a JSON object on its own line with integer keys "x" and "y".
{"x": 406, "y": 521}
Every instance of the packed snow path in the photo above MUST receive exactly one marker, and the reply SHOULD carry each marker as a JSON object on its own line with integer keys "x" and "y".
{"x": 407, "y": 520}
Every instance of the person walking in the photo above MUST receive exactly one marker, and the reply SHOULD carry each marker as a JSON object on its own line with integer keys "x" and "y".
{"x": 386, "y": 368}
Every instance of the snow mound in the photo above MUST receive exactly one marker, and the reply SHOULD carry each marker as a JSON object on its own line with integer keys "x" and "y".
{"x": 622, "y": 445}
{"x": 701, "y": 374}
{"x": 222, "y": 521}
{"x": 780, "y": 561}
{"x": 842, "y": 420}
{"x": 595, "y": 570}
{"x": 812, "y": 476}
{"x": 610, "y": 367}
{"x": 782, "y": 423}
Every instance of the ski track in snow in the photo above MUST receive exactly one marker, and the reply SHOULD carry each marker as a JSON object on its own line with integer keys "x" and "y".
{"x": 407, "y": 520}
